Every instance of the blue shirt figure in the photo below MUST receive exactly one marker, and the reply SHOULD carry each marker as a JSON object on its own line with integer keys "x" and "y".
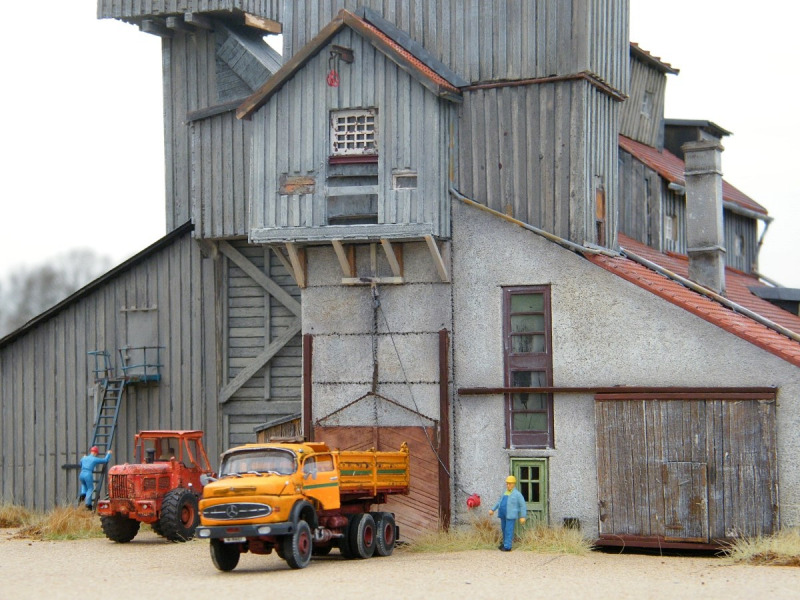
{"x": 86, "y": 477}
{"x": 510, "y": 508}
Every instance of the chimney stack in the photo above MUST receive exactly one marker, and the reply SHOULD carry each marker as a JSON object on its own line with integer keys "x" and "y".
{"x": 705, "y": 235}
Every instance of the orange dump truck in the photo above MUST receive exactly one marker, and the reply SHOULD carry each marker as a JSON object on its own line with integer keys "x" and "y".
{"x": 301, "y": 499}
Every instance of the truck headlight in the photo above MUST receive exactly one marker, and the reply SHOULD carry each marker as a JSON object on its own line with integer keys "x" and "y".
{"x": 264, "y": 529}
{"x": 202, "y": 532}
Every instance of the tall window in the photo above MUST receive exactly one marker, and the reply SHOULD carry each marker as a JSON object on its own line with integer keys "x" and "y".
{"x": 528, "y": 363}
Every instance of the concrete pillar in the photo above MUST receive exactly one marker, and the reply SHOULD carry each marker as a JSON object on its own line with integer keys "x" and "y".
{"x": 705, "y": 235}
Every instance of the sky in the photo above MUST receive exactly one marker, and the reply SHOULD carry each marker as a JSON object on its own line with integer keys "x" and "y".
{"x": 82, "y": 111}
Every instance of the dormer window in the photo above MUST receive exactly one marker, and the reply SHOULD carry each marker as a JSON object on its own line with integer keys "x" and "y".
{"x": 353, "y": 133}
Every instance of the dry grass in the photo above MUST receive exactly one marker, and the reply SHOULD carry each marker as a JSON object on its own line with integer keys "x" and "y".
{"x": 483, "y": 533}
{"x": 781, "y": 549}
{"x": 61, "y": 523}
{"x": 14, "y": 516}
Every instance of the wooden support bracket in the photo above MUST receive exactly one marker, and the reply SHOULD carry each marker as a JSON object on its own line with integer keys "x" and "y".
{"x": 178, "y": 24}
{"x": 438, "y": 259}
{"x": 262, "y": 23}
{"x": 346, "y": 256}
{"x": 199, "y": 21}
{"x": 297, "y": 258}
{"x": 394, "y": 256}
{"x": 156, "y": 27}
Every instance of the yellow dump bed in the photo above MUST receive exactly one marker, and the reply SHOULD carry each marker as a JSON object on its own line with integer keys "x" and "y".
{"x": 372, "y": 472}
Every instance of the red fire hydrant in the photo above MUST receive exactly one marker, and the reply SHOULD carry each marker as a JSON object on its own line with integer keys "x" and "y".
{"x": 474, "y": 501}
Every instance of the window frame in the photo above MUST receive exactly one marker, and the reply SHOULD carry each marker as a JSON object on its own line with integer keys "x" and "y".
{"x": 527, "y": 361}
{"x": 355, "y": 155}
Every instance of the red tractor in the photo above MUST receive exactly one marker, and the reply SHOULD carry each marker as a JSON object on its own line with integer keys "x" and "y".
{"x": 162, "y": 488}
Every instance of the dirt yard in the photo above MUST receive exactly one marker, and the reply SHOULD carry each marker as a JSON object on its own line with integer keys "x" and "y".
{"x": 152, "y": 567}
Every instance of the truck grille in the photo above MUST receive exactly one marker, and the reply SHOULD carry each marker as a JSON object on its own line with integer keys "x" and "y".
{"x": 237, "y": 511}
{"x": 119, "y": 486}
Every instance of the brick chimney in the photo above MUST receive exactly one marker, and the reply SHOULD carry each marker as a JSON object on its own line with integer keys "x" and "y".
{"x": 705, "y": 236}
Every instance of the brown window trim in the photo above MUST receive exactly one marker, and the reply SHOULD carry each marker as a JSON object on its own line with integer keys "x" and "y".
{"x": 353, "y": 159}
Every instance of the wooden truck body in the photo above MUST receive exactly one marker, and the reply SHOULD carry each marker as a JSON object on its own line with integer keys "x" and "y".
{"x": 299, "y": 499}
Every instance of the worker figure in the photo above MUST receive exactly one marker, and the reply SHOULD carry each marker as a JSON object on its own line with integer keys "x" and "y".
{"x": 88, "y": 464}
{"x": 510, "y": 508}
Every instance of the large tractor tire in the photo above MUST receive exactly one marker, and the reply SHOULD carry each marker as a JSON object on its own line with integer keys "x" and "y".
{"x": 386, "y": 533}
{"x": 297, "y": 546}
{"x": 156, "y": 527}
{"x": 225, "y": 556}
{"x": 362, "y": 535}
{"x": 119, "y": 528}
{"x": 179, "y": 515}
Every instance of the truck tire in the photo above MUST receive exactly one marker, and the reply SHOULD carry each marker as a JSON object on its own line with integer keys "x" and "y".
{"x": 179, "y": 515}
{"x": 119, "y": 528}
{"x": 156, "y": 527}
{"x": 362, "y": 535}
{"x": 386, "y": 533}
{"x": 224, "y": 556}
{"x": 297, "y": 546}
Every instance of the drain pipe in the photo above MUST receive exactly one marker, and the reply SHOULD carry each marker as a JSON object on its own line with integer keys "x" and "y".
{"x": 713, "y": 295}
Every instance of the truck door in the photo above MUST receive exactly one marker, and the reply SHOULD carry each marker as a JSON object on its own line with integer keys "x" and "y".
{"x": 321, "y": 480}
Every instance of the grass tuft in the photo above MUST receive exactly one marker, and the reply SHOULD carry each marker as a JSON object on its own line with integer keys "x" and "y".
{"x": 483, "y": 533}
{"x": 14, "y": 516}
{"x": 781, "y": 549}
{"x": 62, "y": 523}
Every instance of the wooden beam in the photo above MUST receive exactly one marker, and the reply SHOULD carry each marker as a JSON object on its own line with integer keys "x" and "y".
{"x": 156, "y": 27}
{"x": 371, "y": 280}
{"x": 308, "y": 357}
{"x": 346, "y": 258}
{"x": 260, "y": 278}
{"x": 178, "y": 24}
{"x": 444, "y": 429}
{"x": 259, "y": 361}
{"x": 284, "y": 261}
{"x": 263, "y": 23}
{"x": 441, "y": 267}
{"x": 199, "y": 21}
{"x": 397, "y": 268}
{"x": 297, "y": 256}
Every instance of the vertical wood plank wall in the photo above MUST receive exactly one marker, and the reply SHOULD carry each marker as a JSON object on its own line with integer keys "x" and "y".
{"x": 131, "y": 9}
{"x": 291, "y": 137}
{"x": 501, "y": 39}
{"x": 635, "y": 125}
{"x": 45, "y": 373}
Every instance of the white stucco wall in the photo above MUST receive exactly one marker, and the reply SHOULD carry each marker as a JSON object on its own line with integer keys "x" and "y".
{"x": 605, "y": 331}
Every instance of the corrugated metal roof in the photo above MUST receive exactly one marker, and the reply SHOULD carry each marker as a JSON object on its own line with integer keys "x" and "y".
{"x": 671, "y": 168}
{"x": 654, "y": 61}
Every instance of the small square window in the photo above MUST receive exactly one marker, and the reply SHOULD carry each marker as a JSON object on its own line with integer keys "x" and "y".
{"x": 353, "y": 132}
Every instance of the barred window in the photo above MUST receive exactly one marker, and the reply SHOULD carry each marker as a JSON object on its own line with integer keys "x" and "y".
{"x": 353, "y": 132}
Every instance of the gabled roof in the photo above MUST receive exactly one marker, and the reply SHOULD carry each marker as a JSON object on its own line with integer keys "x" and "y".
{"x": 702, "y": 306}
{"x": 737, "y": 284}
{"x": 671, "y": 168}
{"x": 418, "y": 63}
{"x": 653, "y": 61}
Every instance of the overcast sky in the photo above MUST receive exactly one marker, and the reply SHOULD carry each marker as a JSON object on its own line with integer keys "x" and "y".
{"x": 82, "y": 137}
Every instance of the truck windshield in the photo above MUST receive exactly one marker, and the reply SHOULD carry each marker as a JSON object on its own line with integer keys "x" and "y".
{"x": 267, "y": 460}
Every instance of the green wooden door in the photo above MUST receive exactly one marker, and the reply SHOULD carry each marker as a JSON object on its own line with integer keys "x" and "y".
{"x": 531, "y": 474}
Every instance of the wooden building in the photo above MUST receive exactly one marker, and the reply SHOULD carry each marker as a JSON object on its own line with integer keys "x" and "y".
{"x": 460, "y": 224}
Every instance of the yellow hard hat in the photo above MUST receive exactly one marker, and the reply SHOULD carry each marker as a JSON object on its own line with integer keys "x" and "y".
{"x": 511, "y": 479}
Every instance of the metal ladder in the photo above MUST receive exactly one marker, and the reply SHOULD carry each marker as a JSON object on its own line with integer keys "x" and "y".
{"x": 105, "y": 425}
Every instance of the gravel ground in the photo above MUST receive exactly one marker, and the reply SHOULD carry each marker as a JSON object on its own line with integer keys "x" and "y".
{"x": 151, "y": 567}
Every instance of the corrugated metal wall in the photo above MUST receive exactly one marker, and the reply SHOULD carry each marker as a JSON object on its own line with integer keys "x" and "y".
{"x": 502, "y": 39}
{"x": 130, "y": 9}
{"x": 741, "y": 254}
{"x": 291, "y": 138}
{"x": 45, "y": 373}
{"x": 633, "y": 123}
{"x": 536, "y": 151}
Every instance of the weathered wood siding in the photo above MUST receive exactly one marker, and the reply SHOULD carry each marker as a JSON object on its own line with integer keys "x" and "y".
{"x": 633, "y": 122}
{"x": 133, "y": 9}
{"x": 46, "y": 375}
{"x": 291, "y": 138}
{"x": 538, "y": 152}
{"x": 502, "y": 39}
{"x": 691, "y": 470}
{"x": 253, "y": 319}
{"x": 741, "y": 254}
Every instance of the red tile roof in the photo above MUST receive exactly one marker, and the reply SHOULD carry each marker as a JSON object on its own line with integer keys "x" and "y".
{"x": 671, "y": 168}
{"x": 651, "y": 59}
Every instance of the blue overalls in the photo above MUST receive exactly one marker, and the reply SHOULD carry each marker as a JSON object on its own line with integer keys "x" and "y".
{"x": 86, "y": 477}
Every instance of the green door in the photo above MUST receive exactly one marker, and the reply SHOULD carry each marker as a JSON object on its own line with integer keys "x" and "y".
{"x": 531, "y": 474}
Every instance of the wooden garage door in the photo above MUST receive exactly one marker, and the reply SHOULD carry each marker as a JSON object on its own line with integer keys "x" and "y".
{"x": 418, "y": 512}
{"x": 686, "y": 469}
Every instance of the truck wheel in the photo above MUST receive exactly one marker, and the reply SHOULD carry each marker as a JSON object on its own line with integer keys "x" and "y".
{"x": 297, "y": 546}
{"x": 386, "y": 531}
{"x": 224, "y": 556}
{"x": 119, "y": 529}
{"x": 156, "y": 527}
{"x": 179, "y": 515}
{"x": 362, "y": 535}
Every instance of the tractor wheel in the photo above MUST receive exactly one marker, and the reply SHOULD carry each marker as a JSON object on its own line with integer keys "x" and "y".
{"x": 119, "y": 529}
{"x": 362, "y": 535}
{"x": 179, "y": 515}
{"x": 224, "y": 556}
{"x": 386, "y": 533}
{"x": 156, "y": 527}
{"x": 297, "y": 546}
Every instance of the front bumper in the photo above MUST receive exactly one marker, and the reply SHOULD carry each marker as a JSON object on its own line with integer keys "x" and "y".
{"x": 216, "y": 532}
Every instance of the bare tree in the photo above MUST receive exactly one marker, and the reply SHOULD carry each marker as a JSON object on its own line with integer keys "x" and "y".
{"x": 29, "y": 291}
